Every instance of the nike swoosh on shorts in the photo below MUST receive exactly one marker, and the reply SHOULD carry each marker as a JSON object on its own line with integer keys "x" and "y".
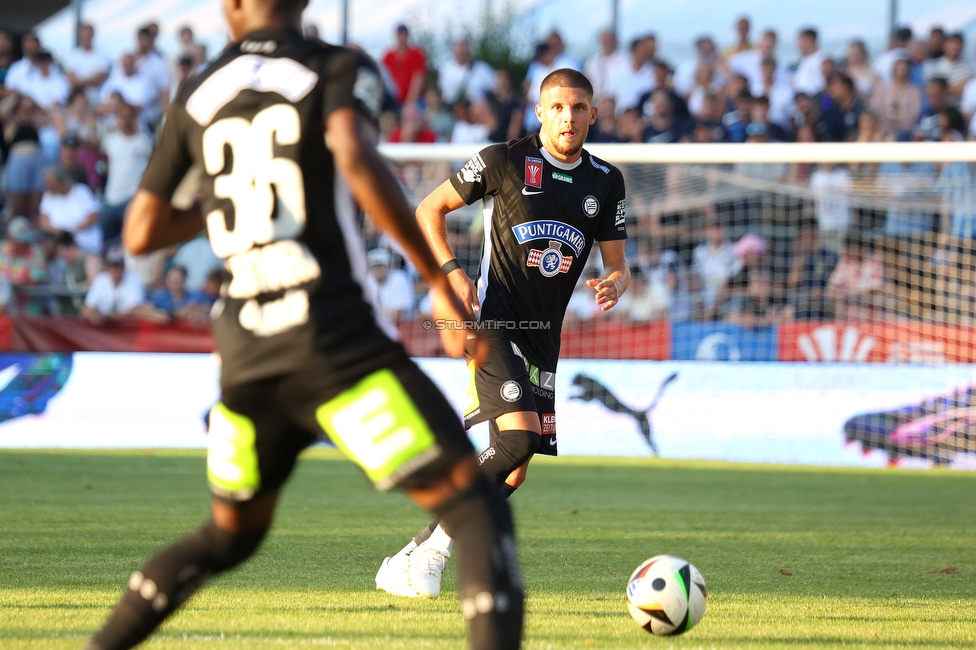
{"x": 527, "y": 193}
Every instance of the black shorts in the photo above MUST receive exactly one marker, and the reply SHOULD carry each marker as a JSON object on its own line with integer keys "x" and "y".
{"x": 509, "y": 383}
{"x": 387, "y": 416}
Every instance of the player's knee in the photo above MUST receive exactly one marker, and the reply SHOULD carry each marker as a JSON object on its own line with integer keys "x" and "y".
{"x": 230, "y": 549}
{"x": 508, "y": 451}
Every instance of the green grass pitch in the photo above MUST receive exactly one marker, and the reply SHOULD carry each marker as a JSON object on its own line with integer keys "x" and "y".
{"x": 792, "y": 556}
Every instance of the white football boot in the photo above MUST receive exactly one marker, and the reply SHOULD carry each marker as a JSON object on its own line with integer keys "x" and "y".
{"x": 394, "y": 576}
{"x": 425, "y": 567}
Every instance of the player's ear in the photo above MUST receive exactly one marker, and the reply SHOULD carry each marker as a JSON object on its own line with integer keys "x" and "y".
{"x": 538, "y": 111}
{"x": 593, "y": 112}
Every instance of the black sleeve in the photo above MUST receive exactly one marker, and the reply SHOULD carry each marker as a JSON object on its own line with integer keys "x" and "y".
{"x": 482, "y": 175}
{"x": 171, "y": 159}
{"x": 352, "y": 80}
{"x": 613, "y": 217}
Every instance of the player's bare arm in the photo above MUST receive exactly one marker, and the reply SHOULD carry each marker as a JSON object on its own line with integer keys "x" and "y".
{"x": 152, "y": 223}
{"x": 432, "y": 217}
{"x": 616, "y": 274}
{"x": 377, "y": 192}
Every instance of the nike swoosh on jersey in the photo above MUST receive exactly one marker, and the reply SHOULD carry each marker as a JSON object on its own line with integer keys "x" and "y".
{"x": 552, "y": 441}
{"x": 527, "y": 193}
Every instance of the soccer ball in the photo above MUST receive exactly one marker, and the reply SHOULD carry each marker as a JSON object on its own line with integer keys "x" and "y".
{"x": 666, "y": 595}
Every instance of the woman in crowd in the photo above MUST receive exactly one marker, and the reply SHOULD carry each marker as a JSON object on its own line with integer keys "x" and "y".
{"x": 24, "y": 160}
{"x": 898, "y": 103}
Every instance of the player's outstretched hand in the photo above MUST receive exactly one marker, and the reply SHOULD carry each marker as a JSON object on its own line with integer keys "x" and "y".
{"x": 607, "y": 293}
{"x": 457, "y": 337}
{"x": 465, "y": 290}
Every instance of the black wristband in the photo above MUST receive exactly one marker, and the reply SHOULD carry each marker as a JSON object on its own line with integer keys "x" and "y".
{"x": 449, "y": 266}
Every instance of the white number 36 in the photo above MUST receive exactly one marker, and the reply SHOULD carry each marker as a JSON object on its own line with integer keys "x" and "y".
{"x": 257, "y": 180}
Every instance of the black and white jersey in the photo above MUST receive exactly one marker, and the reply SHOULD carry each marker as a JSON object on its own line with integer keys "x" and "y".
{"x": 541, "y": 219}
{"x": 276, "y": 211}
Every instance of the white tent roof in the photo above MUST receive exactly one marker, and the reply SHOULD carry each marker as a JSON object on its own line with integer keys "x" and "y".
{"x": 676, "y": 22}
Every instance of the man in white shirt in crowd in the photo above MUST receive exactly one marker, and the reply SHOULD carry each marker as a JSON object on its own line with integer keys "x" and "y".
{"x": 599, "y": 66}
{"x": 808, "y": 77}
{"x": 85, "y": 66}
{"x": 131, "y": 85}
{"x": 951, "y": 67}
{"x": 151, "y": 65}
{"x": 199, "y": 260}
{"x": 563, "y": 59}
{"x": 884, "y": 63}
{"x": 117, "y": 293}
{"x": 390, "y": 288}
{"x": 127, "y": 149}
{"x": 22, "y": 70}
{"x": 749, "y": 64}
{"x": 462, "y": 76}
{"x": 70, "y": 207}
{"x": 45, "y": 84}
{"x": 634, "y": 76}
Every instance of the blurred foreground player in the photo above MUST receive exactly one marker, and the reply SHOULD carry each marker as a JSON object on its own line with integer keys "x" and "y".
{"x": 282, "y": 128}
{"x": 546, "y": 200}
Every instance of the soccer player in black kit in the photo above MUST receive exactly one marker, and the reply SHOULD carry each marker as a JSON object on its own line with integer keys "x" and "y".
{"x": 282, "y": 129}
{"x": 545, "y": 201}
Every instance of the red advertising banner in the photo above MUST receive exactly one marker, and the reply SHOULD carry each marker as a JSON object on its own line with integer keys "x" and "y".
{"x": 897, "y": 342}
{"x": 22, "y": 334}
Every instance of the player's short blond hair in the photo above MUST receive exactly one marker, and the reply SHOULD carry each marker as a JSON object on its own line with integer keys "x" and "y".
{"x": 567, "y": 78}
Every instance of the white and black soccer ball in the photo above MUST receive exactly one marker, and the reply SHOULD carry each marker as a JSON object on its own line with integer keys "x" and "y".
{"x": 666, "y": 595}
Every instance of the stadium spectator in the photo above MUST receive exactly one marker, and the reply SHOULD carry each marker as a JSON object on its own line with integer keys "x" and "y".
{"x": 463, "y": 76}
{"x": 184, "y": 70}
{"x": 808, "y": 77}
{"x": 605, "y": 127}
{"x": 436, "y": 115}
{"x": 761, "y": 306}
{"x": 713, "y": 263}
{"x": 68, "y": 159}
{"x": 542, "y": 64}
{"x": 704, "y": 84}
{"x": 391, "y": 288}
{"x": 127, "y": 83}
{"x": 407, "y": 66}
{"x": 47, "y": 86}
{"x": 664, "y": 273}
{"x": 808, "y": 278}
{"x": 507, "y": 105}
{"x": 664, "y": 126}
{"x": 413, "y": 127}
{"x": 21, "y": 72}
{"x": 917, "y": 57}
{"x": 688, "y": 74}
{"x": 79, "y": 122}
{"x": 648, "y": 300}
{"x": 831, "y": 189}
{"x": 633, "y": 77}
{"x": 563, "y": 59}
{"x": 630, "y": 126}
{"x": 857, "y": 68}
{"x": 67, "y": 206}
{"x": 212, "y": 287}
{"x": 899, "y": 102}
{"x": 838, "y": 122}
{"x": 24, "y": 164}
{"x": 951, "y": 67}
{"x": 174, "y": 299}
{"x": 707, "y": 131}
{"x": 598, "y": 67}
{"x": 581, "y": 305}
{"x": 469, "y": 123}
{"x": 189, "y": 48}
{"x": 936, "y": 43}
{"x": 749, "y": 251}
{"x": 742, "y": 42}
{"x": 87, "y": 68}
{"x": 749, "y": 64}
{"x": 737, "y": 120}
{"x": 72, "y": 269}
{"x": 151, "y": 65}
{"x": 127, "y": 149}
{"x": 805, "y": 112}
{"x": 937, "y": 93}
{"x": 908, "y": 187}
{"x": 198, "y": 259}
{"x": 760, "y": 117}
{"x": 857, "y": 285}
{"x": 116, "y": 293}
{"x": 21, "y": 259}
{"x": 897, "y": 50}
{"x": 957, "y": 187}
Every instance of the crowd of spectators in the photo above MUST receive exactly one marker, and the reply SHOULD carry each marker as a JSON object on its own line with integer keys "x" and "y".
{"x": 75, "y": 136}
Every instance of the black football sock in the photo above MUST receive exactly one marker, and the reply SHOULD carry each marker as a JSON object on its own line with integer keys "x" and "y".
{"x": 507, "y": 491}
{"x": 489, "y": 580}
{"x": 169, "y": 579}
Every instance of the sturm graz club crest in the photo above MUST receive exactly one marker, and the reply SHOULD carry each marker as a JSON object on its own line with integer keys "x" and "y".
{"x": 551, "y": 260}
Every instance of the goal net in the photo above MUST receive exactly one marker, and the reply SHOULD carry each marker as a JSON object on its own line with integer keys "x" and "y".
{"x": 844, "y": 273}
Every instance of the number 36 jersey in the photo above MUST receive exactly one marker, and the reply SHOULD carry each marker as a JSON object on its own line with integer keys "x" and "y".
{"x": 277, "y": 212}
